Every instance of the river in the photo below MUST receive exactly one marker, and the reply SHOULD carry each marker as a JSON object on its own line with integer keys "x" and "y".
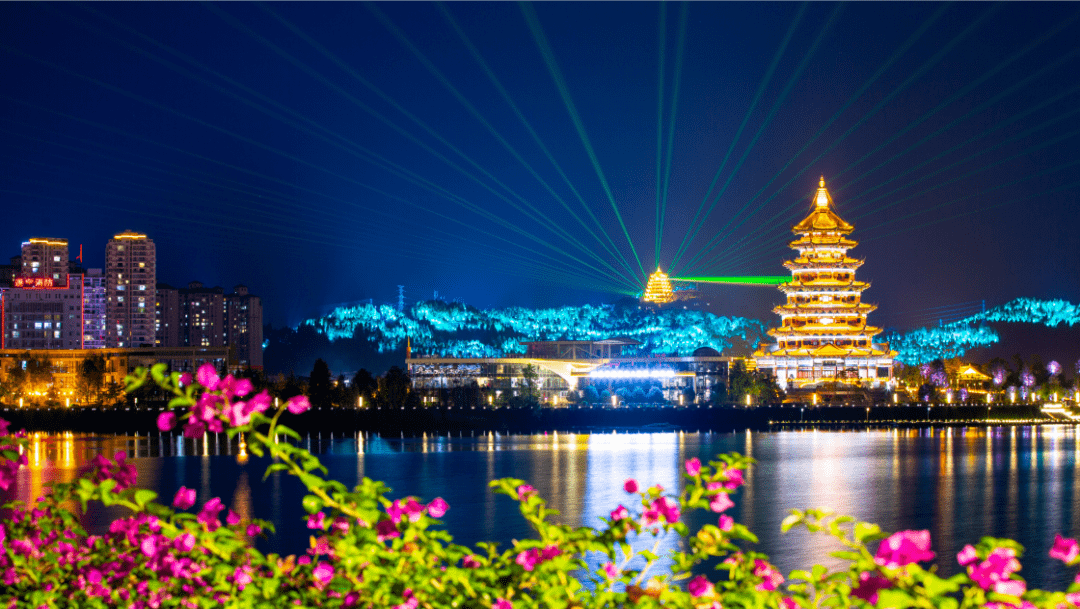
{"x": 961, "y": 483}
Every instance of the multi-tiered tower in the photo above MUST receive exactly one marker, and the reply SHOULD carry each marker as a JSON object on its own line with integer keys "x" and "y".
{"x": 823, "y": 334}
{"x": 658, "y": 290}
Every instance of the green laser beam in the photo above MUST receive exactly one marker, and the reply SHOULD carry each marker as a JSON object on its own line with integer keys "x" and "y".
{"x": 661, "y": 61}
{"x": 792, "y": 81}
{"x": 609, "y": 245}
{"x": 744, "y": 280}
{"x": 684, "y": 15}
{"x": 766, "y": 79}
{"x": 533, "y": 21}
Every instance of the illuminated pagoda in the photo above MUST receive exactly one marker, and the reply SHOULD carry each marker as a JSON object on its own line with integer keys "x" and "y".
{"x": 658, "y": 290}
{"x": 823, "y": 337}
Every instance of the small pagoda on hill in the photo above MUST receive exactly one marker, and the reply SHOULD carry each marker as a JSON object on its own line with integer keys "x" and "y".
{"x": 823, "y": 339}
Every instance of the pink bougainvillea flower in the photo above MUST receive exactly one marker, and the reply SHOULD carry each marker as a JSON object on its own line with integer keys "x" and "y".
{"x": 413, "y": 510}
{"x": 1012, "y": 587}
{"x": 437, "y": 508}
{"x": 770, "y": 576}
{"x": 260, "y": 402}
{"x": 322, "y": 574}
{"x": 619, "y": 513}
{"x": 650, "y": 517}
{"x": 868, "y": 587}
{"x": 185, "y": 542}
{"x": 528, "y": 559}
{"x": 727, "y": 523}
{"x": 502, "y": 603}
{"x": 903, "y": 548}
{"x": 315, "y": 521}
{"x": 253, "y": 530}
{"x": 610, "y": 571}
{"x": 298, "y": 404}
{"x": 967, "y": 556}
{"x": 166, "y": 421}
{"x": 209, "y": 514}
{"x": 470, "y": 562}
{"x": 998, "y": 566}
{"x": 525, "y": 491}
{"x": 1066, "y": 550}
{"x": 232, "y": 518}
{"x": 693, "y": 466}
{"x": 668, "y": 508}
{"x": 207, "y": 376}
{"x": 386, "y": 529}
{"x": 720, "y": 502}
{"x": 734, "y": 479}
{"x": 786, "y": 602}
{"x": 184, "y": 498}
{"x": 630, "y": 485}
{"x": 549, "y": 552}
{"x": 699, "y": 586}
{"x": 194, "y": 429}
{"x": 185, "y": 379}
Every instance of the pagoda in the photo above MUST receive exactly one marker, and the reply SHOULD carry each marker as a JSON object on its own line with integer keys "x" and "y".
{"x": 658, "y": 290}
{"x": 823, "y": 335}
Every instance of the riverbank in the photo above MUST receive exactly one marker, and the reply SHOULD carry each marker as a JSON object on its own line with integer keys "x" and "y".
{"x": 454, "y": 420}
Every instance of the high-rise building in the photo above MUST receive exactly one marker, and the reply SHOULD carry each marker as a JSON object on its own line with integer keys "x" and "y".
{"x": 39, "y": 314}
{"x": 95, "y": 311}
{"x": 130, "y": 279}
{"x": 198, "y": 316}
{"x": 243, "y": 327}
{"x": 43, "y": 257}
{"x": 823, "y": 335}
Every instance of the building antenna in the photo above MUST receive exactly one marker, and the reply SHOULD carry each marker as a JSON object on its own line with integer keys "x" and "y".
{"x": 79, "y": 258}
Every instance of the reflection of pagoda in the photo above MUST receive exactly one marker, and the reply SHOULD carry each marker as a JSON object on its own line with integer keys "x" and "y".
{"x": 823, "y": 336}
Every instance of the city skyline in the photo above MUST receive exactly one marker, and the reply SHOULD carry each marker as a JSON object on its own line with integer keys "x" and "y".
{"x": 530, "y": 155}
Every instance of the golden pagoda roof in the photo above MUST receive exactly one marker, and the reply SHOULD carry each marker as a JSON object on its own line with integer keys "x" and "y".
{"x": 827, "y": 350}
{"x": 822, "y": 218}
{"x": 837, "y": 308}
{"x": 821, "y": 284}
{"x": 658, "y": 290}
{"x": 815, "y": 329}
{"x": 803, "y": 262}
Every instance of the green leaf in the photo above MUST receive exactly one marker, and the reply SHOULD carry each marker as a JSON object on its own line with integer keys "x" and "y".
{"x": 865, "y": 531}
{"x": 936, "y": 586}
{"x": 144, "y": 496}
{"x": 792, "y": 520}
{"x": 312, "y": 504}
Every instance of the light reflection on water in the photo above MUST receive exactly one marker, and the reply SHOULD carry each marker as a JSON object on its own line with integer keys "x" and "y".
{"x": 961, "y": 483}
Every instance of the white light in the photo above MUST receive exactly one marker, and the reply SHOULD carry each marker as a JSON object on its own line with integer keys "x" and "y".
{"x": 632, "y": 373}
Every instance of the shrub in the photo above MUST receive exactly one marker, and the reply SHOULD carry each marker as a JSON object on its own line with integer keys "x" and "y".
{"x": 368, "y": 550}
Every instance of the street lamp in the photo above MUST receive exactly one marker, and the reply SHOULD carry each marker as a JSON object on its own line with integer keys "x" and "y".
{"x": 614, "y": 398}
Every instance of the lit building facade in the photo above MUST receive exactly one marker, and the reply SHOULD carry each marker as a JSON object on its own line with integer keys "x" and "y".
{"x": 95, "y": 311}
{"x": 130, "y": 278}
{"x": 658, "y": 289}
{"x": 568, "y": 366}
{"x": 823, "y": 335}
{"x": 198, "y": 316}
{"x": 43, "y": 257}
{"x": 39, "y": 314}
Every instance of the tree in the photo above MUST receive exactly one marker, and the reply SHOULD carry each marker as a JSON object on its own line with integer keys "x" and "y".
{"x": 394, "y": 388}
{"x": 530, "y": 382}
{"x": 319, "y": 384}
{"x": 590, "y": 395}
{"x": 91, "y": 378}
{"x": 365, "y": 385}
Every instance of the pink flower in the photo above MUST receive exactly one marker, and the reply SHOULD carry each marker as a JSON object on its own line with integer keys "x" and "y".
{"x": 386, "y": 529}
{"x": 693, "y": 466}
{"x": 185, "y": 379}
{"x": 194, "y": 429}
{"x": 667, "y": 508}
{"x": 619, "y": 513}
{"x": 298, "y": 404}
{"x": 166, "y": 421}
{"x": 437, "y": 508}
{"x": 260, "y": 402}
{"x": 610, "y": 571}
{"x": 786, "y": 602}
{"x": 209, "y": 513}
{"x": 231, "y": 518}
{"x": 630, "y": 485}
{"x": 734, "y": 479}
{"x": 903, "y": 548}
{"x": 185, "y": 498}
{"x": 720, "y": 502}
{"x": 525, "y": 491}
{"x": 207, "y": 376}
{"x": 322, "y": 574}
{"x": 253, "y": 530}
{"x": 772, "y": 578}
{"x": 727, "y": 523}
{"x": 241, "y": 577}
{"x": 528, "y": 559}
{"x": 967, "y": 556}
{"x": 238, "y": 414}
{"x": 549, "y": 552}
{"x": 185, "y": 542}
{"x": 470, "y": 562}
{"x": 1066, "y": 550}
{"x": 315, "y": 521}
{"x": 413, "y": 510}
{"x": 1012, "y": 587}
{"x": 502, "y": 603}
{"x": 998, "y": 566}
{"x": 699, "y": 586}
{"x": 868, "y": 587}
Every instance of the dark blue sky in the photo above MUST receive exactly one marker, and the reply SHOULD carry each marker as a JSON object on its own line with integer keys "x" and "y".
{"x": 325, "y": 153}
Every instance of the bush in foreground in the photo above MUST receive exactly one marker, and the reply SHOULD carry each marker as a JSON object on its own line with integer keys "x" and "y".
{"x": 370, "y": 551}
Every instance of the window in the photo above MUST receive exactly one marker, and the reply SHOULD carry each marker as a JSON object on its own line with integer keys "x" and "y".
{"x": 142, "y": 287}
{"x": 56, "y": 334}
{"x": 14, "y": 335}
{"x": 119, "y": 299}
{"x": 37, "y": 325}
{"x": 56, "y": 258}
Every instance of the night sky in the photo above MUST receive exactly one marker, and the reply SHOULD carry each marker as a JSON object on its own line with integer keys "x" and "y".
{"x": 511, "y": 154}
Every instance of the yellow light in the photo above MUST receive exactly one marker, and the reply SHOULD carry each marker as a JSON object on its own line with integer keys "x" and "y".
{"x": 748, "y": 399}
{"x": 895, "y": 398}
{"x": 613, "y": 400}
{"x": 658, "y": 289}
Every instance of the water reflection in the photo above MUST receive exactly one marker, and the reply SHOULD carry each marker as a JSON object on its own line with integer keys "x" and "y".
{"x": 961, "y": 483}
